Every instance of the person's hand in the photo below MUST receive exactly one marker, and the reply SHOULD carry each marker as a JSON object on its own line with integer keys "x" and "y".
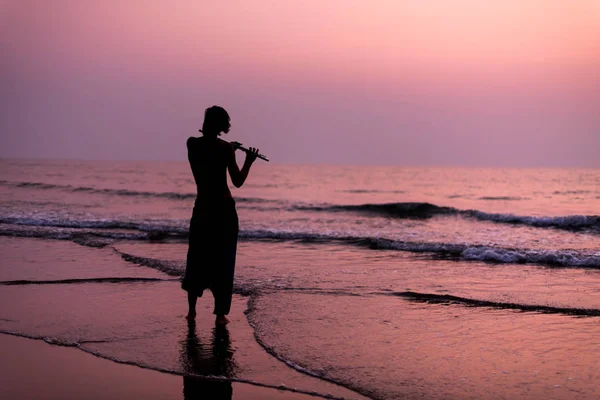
{"x": 236, "y": 145}
{"x": 251, "y": 154}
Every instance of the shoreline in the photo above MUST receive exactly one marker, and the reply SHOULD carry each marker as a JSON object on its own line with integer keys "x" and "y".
{"x": 41, "y": 370}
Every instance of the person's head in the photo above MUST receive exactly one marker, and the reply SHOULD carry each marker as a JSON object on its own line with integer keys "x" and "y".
{"x": 216, "y": 120}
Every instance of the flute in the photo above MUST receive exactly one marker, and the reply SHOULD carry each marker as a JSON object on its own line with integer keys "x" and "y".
{"x": 238, "y": 145}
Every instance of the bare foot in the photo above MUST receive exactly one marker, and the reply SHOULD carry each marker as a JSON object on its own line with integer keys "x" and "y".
{"x": 221, "y": 320}
{"x": 191, "y": 316}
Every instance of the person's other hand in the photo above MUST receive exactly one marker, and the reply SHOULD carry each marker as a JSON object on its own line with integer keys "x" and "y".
{"x": 252, "y": 154}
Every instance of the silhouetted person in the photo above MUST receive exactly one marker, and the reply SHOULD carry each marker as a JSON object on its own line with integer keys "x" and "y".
{"x": 214, "y": 224}
{"x": 214, "y": 361}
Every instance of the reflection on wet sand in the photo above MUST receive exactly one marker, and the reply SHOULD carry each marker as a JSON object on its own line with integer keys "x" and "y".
{"x": 214, "y": 359}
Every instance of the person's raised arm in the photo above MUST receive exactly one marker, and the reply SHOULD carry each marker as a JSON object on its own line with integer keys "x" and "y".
{"x": 238, "y": 177}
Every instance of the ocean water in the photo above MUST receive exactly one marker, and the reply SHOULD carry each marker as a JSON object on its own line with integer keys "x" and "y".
{"x": 393, "y": 282}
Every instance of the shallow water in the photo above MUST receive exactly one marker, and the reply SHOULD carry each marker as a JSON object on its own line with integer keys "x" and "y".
{"x": 137, "y": 318}
{"x": 394, "y": 282}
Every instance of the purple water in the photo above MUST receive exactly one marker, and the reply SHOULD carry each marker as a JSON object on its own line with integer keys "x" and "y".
{"x": 394, "y": 282}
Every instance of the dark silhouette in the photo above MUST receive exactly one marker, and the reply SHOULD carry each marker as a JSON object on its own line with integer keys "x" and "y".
{"x": 214, "y": 224}
{"x": 216, "y": 360}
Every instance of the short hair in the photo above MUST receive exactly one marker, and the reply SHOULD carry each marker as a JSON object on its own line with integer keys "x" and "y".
{"x": 216, "y": 119}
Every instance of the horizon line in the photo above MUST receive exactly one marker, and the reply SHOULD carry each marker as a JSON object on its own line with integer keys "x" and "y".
{"x": 306, "y": 164}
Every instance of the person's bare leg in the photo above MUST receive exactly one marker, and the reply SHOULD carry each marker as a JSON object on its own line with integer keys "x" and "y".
{"x": 192, "y": 306}
{"x": 221, "y": 305}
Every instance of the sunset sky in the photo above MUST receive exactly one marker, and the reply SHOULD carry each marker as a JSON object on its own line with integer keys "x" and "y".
{"x": 440, "y": 82}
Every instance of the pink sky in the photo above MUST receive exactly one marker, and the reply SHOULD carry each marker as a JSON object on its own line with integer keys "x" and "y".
{"x": 440, "y": 82}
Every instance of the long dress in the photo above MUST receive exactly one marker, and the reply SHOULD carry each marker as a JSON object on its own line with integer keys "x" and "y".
{"x": 214, "y": 225}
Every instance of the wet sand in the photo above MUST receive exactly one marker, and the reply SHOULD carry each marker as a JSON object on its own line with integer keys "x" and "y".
{"x": 33, "y": 369}
{"x": 104, "y": 313}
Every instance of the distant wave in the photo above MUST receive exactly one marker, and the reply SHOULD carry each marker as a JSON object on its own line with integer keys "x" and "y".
{"x": 419, "y": 210}
{"x": 371, "y": 191}
{"x": 117, "y": 192}
{"x": 449, "y": 299}
{"x": 120, "y": 192}
{"x": 154, "y": 226}
{"x": 505, "y": 198}
{"x": 398, "y": 210}
{"x": 567, "y": 192}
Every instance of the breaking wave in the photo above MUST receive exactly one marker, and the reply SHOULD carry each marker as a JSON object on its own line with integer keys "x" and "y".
{"x": 452, "y": 251}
